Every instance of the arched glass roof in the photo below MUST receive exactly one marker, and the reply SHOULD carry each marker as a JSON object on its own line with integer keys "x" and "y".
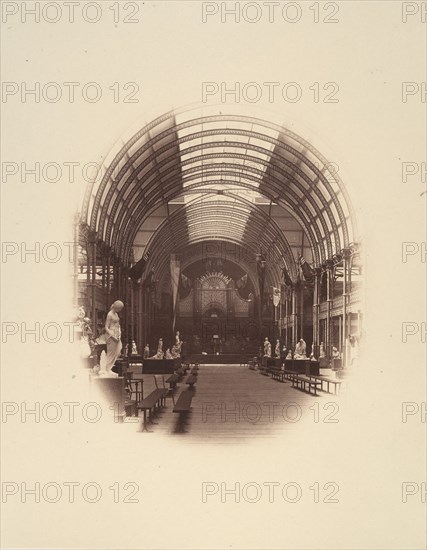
{"x": 218, "y": 176}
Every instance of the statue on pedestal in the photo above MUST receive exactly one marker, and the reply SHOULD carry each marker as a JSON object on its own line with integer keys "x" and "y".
{"x": 134, "y": 348}
{"x": 146, "y": 351}
{"x": 322, "y": 353}
{"x": 176, "y": 348}
{"x": 277, "y": 349}
{"x": 300, "y": 350}
{"x": 113, "y": 335}
{"x": 159, "y": 353}
{"x": 335, "y": 353}
{"x": 267, "y": 348}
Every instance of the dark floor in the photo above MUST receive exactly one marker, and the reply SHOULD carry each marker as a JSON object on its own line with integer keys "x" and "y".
{"x": 233, "y": 403}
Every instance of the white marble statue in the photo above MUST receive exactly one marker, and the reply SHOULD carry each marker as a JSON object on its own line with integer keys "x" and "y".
{"x": 267, "y": 348}
{"x": 159, "y": 354}
{"x": 300, "y": 350}
{"x": 114, "y": 343}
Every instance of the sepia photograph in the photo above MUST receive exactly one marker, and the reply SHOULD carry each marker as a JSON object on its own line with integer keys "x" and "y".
{"x": 213, "y": 275}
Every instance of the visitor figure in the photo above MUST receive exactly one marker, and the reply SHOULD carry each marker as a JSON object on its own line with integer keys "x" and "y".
{"x": 300, "y": 350}
{"x": 113, "y": 335}
{"x": 277, "y": 349}
{"x": 267, "y": 348}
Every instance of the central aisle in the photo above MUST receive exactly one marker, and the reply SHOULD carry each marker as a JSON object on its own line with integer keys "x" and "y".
{"x": 233, "y": 403}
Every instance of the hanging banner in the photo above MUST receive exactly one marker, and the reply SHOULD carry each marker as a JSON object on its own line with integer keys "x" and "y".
{"x": 261, "y": 278}
{"x": 276, "y": 296}
{"x": 175, "y": 266}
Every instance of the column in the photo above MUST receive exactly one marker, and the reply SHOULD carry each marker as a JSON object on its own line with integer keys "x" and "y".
{"x": 294, "y": 317}
{"x": 93, "y": 277}
{"x": 108, "y": 281}
{"x": 316, "y": 306}
{"x": 345, "y": 325}
{"x": 329, "y": 267}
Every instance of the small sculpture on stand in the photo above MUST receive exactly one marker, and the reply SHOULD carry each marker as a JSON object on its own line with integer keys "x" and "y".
{"x": 125, "y": 351}
{"x": 134, "y": 348}
{"x": 85, "y": 336}
{"x": 300, "y": 350}
{"x": 168, "y": 354}
{"x": 289, "y": 356}
{"x": 267, "y": 347}
{"x": 277, "y": 349}
{"x": 335, "y": 353}
{"x": 176, "y": 348}
{"x": 159, "y": 354}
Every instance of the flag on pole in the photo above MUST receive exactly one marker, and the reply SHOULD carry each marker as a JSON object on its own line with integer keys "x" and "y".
{"x": 307, "y": 270}
{"x": 286, "y": 278}
{"x": 175, "y": 266}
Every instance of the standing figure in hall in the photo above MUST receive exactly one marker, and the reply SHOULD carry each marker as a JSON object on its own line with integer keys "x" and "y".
{"x": 267, "y": 348}
{"x": 113, "y": 335}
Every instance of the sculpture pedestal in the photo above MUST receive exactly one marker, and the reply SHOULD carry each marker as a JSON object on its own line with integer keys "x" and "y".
{"x": 160, "y": 366}
{"x": 113, "y": 393}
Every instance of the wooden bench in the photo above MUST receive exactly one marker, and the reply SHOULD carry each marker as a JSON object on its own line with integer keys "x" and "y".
{"x": 172, "y": 381}
{"x": 183, "y": 407}
{"x": 180, "y": 372}
{"x": 264, "y": 370}
{"x": 183, "y": 404}
{"x": 151, "y": 403}
{"x": 191, "y": 380}
{"x": 131, "y": 407}
{"x": 303, "y": 382}
{"x": 324, "y": 379}
{"x": 185, "y": 366}
{"x": 289, "y": 374}
{"x": 277, "y": 374}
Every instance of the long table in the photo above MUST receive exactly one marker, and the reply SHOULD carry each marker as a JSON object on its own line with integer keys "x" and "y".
{"x": 302, "y": 366}
{"x": 222, "y": 358}
{"x": 160, "y": 366}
